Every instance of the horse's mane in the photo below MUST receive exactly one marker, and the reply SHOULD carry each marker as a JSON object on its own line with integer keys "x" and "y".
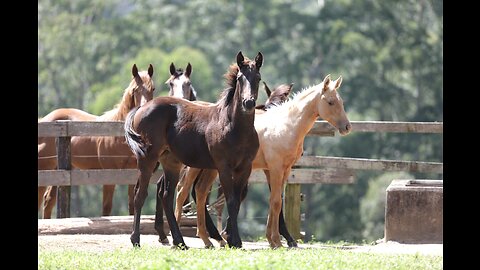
{"x": 121, "y": 109}
{"x": 231, "y": 81}
{"x": 295, "y": 98}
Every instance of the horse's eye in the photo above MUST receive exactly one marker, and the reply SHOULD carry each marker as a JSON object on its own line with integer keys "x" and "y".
{"x": 153, "y": 89}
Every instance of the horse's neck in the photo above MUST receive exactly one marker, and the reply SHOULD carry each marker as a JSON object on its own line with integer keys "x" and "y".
{"x": 120, "y": 111}
{"x": 295, "y": 117}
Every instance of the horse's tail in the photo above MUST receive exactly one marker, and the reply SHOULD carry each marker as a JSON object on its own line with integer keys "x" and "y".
{"x": 41, "y": 146}
{"x": 133, "y": 139}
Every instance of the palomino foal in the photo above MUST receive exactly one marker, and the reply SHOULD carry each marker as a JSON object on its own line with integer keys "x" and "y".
{"x": 281, "y": 131}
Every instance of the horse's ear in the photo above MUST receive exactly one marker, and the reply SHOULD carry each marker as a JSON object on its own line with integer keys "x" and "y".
{"x": 267, "y": 89}
{"x": 188, "y": 70}
{"x": 240, "y": 59}
{"x": 326, "y": 81}
{"x": 338, "y": 82}
{"x": 135, "y": 71}
{"x": 290, "y": 87}
{"x": 150, "y": 70}
{"x": 172, "y": 69}
{"x": 259, "y": 60}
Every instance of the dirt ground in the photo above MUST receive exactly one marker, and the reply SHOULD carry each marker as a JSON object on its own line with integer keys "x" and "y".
{"x": 102, "y": 242}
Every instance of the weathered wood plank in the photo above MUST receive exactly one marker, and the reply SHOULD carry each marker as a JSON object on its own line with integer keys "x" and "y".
{"x": 129, "y": 177}
{"x": 54, "y": 178}
{"x": 292, "y": 210}
{"x": 370, "y": 164}
{"x": 310, "y": 176}
{"x": 110, "y": 225}
{"x": 52, "y": 129}
{"x": 64, "y": 163}
{"x": 385, "y": 126}
{"x": 320, "y": 128}
{"x": 109, "y": 176}
{"x": 107, "y": 128}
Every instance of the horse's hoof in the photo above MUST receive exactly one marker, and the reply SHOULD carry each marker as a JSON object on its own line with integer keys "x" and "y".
{"x": 209, "y": 247}
{"x": 135, "y": 239}
{"x": 136, "y": 245}
{"x": 164, "y": 241}
{"x": 292, "y": 244}
{"x": 181, "y": 246}
{"x": 222, "y": 243}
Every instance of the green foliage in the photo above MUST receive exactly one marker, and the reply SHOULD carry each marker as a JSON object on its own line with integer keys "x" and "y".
{"x": 166, "y": 258}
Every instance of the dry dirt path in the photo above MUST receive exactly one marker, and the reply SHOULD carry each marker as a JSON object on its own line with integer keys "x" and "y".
{"x": 102, "y": 242}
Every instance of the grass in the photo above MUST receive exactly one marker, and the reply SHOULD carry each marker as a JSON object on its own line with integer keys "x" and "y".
{"x": 283, "y": 258}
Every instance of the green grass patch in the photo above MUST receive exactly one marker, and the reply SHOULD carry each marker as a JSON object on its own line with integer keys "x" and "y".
{"x": 283, "y": 258}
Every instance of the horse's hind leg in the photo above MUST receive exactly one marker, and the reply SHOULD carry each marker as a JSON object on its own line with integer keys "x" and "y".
{"x": 145, "y": 167}
{"x": 108, "y": 191}
{"x": 171, "y": 170}
{"x": 162, "y": 237}
{"x": 50, "y": 199}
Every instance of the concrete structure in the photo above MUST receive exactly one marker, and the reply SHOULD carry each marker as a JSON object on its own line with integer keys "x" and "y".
{"x": 414, "y": 211}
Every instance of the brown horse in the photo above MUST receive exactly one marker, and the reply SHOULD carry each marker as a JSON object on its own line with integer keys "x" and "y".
{"x": 220, "y": 136}
{"x": 47, "y": 155}
{"x": 281, "y": 131}
{"x": 87, "y": 150}
{"x": 275, "y": 97}
{"x": 112, "y": 152}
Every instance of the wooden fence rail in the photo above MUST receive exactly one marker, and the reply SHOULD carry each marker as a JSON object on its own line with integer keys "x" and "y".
{"x": 308, "y": 170}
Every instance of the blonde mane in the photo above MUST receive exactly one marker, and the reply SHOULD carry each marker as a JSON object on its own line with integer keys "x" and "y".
{"x": 121, "y": 109}
{"x": 296, "y": 100}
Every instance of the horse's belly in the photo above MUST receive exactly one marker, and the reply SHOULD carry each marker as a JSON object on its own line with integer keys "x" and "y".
{"x": 192, "y": 152}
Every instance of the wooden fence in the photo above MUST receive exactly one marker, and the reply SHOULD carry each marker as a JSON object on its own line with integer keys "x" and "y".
{"x": 309, "y": 169}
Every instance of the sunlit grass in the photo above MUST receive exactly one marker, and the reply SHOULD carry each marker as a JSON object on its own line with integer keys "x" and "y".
{"x": 224, "y": 258}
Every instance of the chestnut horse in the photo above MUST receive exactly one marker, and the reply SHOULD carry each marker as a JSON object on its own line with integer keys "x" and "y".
{"x": 281, "y": 131}
{"x": 85, "y": 150}
{"x": 112, "y": 152}
{"x": 220, "y": 136}
{"x": 275, "y": 97}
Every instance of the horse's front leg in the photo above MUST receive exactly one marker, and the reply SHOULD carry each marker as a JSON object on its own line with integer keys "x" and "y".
{"x": 183, "y": 187}
{"x": 49, "y": 201}
{"x": 234, "y": 187}
{"x": 276, "y": 188}
{"x": 107, "y": 203}
{"x": 131, "y": 195}
{"x": 204, "y": 221}
{"x": 162, "y": 237}
{"x": 281, "y": 221}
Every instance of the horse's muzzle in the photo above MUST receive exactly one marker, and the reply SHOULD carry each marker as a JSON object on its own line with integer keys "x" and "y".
{"x": 346, "y": 129}
{"x": 249, "y": 104}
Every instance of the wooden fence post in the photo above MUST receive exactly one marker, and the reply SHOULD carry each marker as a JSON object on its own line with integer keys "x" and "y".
{"x": 64, "y": 163}
{"x": 292, "y": 210}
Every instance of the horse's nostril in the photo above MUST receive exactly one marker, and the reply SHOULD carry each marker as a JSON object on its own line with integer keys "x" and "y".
{"x": 348, "y": 127}
{"x": 249, "y": 104}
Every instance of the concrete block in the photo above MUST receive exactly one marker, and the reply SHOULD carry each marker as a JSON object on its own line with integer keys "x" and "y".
{"x": 414, "y": 211}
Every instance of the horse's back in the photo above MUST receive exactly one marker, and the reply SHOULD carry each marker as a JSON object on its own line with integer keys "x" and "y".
{"x": 178, "y": 125}
{"x": 68, "y": 114}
